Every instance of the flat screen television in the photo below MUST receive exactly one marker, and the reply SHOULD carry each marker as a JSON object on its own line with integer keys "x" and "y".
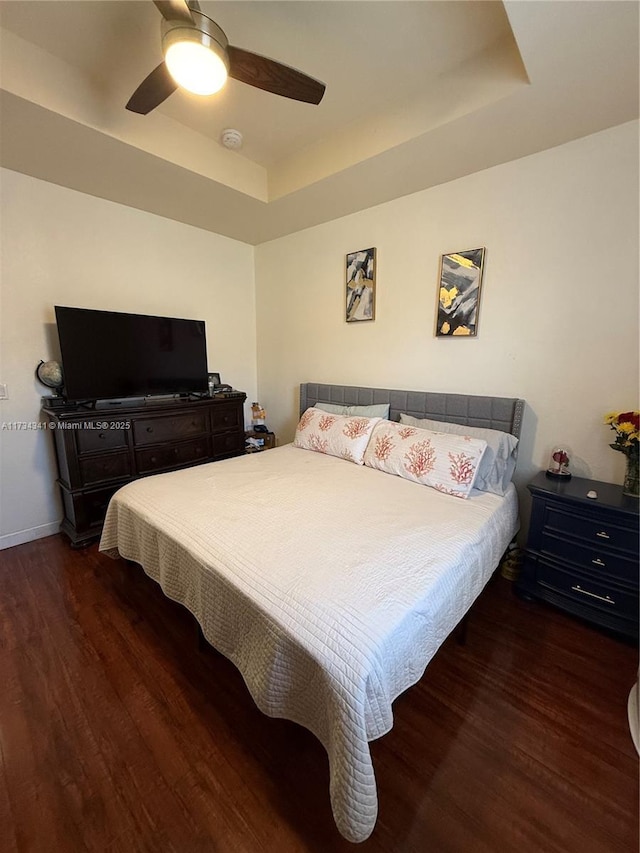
{"x": 109, "y": 355}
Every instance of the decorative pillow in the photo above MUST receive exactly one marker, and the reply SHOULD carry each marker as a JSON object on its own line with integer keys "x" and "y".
{"x": 380, "y": 410}
{"x": 499, "y": 460}
{"x": 448, "y": 463}
{"x": 335, "y": 435}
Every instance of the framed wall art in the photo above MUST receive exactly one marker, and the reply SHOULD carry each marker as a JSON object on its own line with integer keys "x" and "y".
{"x": 361, "y": 285}
{"x": 459, "y": 293}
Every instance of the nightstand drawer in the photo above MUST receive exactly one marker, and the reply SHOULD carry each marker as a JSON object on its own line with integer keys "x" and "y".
{"x": 587, "y": 592}
{"x": 598, "y": 531}
{"x": 590, "y": 557}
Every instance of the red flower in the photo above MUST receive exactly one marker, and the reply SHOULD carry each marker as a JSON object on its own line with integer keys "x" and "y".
{"x": 629, "y": 418}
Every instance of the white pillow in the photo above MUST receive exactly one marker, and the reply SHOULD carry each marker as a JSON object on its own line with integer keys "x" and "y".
{"x": 379, "y": 410}
{"x": 336, "y": 435}
{"x": 448, "y": 463}
{"x": 499, "y": 460}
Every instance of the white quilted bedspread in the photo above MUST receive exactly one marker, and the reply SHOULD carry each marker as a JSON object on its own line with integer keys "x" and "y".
{"x": 329, "y": 585}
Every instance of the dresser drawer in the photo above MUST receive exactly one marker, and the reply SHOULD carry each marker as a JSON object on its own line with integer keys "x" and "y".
{"x": 601, "y": 531}
{"x": 160, "y": 458}
{"x": 91, "y": 440}
{"x": 226, "y": 417}
{"x": 159, "y": 429}
{"x": 100, "y": 469}
{"x": 591, "y": 557}
{"x": 587, "y": 592}
{"x": 229, "y": 442}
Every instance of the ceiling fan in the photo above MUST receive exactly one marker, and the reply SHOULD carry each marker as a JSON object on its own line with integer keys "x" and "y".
{"x": 198, "y": 57}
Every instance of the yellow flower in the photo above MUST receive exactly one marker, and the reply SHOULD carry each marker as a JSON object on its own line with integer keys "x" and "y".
{"x": 626, "y": 428}
{"x": 611, "y": 417}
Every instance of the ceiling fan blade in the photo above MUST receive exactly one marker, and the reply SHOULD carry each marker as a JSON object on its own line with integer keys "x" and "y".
{"x": 174, "y": 10}
{"x": 153, "y": 90}
{"x": 273, "y": 76}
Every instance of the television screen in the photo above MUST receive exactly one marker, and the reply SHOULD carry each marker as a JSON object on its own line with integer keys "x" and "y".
{"x": 106, "y": 354}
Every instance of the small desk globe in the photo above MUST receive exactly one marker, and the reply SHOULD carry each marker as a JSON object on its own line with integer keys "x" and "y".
{"x": 50, "y": 374}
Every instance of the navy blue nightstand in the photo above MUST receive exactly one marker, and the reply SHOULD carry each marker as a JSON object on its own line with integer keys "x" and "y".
{"x": 582, "y": 554}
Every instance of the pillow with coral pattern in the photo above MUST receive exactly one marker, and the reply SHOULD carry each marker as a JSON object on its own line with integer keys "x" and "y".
{"x": 498, "y": 463}
{"x": 448, "y": 463}
{"x": 336, "y": 435}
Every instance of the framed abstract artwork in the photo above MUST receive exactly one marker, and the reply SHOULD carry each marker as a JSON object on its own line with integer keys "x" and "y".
{"x": 459, "y": 293}
{"x": 361, "y": 285}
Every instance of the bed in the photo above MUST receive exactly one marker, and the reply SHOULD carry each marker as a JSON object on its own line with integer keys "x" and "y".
{"x": 330, "y": 585}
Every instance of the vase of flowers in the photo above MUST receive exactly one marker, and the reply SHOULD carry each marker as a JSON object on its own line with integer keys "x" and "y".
{"x": 626, "y": 426}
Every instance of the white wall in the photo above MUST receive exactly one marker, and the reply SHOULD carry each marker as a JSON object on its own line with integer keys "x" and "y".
{"x": 558, "y": 323}
{"x": 558, "y": 319}
{"x": 63, "y": 247}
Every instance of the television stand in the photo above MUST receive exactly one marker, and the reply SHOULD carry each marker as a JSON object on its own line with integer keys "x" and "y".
{"x": 101, "y": 450}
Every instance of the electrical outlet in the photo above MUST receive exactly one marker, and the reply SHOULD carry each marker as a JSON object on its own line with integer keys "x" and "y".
{"x": 4, "y": 391}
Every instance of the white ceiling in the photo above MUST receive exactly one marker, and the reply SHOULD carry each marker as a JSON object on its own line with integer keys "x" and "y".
{"x": 418, "y": 93}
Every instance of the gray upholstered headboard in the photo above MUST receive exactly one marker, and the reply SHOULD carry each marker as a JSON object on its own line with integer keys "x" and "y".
{"x": 503, "y": 413}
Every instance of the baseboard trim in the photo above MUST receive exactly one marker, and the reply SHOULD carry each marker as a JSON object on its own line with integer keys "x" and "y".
{"x": 9, "y": 540}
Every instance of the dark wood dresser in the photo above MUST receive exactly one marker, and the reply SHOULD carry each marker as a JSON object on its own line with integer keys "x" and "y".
{"x": 582, "y": 554}
{"x": 99, "y": 450}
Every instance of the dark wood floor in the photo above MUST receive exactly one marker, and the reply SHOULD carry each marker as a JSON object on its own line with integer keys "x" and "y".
{"x": 116, "y": 734}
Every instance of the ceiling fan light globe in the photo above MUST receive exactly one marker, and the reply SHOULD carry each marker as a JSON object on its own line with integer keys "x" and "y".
{"x": 196, "y": 67}
{"x": 196, "y": 56}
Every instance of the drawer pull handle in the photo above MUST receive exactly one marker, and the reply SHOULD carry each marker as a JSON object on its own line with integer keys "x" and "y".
{"x": 598, "y": 562}
{"x": 101, "y": 435}
{"x": 603, "y": 535}
{"x": 175, "y": 451}
{"x": 578, "y": 588}
{"x": 149, "y": 429}
{"x": 154, "y": 459}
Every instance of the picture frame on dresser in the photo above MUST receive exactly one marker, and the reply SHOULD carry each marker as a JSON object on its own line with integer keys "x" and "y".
{"x": 582, "y": 552}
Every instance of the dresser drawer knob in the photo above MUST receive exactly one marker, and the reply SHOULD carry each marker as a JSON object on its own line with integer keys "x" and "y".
{"x": 578, "y": 588}
{"x": 149, "y": 429}
{"x": 101, "y": 435}
{"x": 598, "y": 562}
{"x": 603, "y": 535}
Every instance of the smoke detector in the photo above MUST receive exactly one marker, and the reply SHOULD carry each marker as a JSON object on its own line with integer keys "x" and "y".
{"x": 231, "y": 138}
